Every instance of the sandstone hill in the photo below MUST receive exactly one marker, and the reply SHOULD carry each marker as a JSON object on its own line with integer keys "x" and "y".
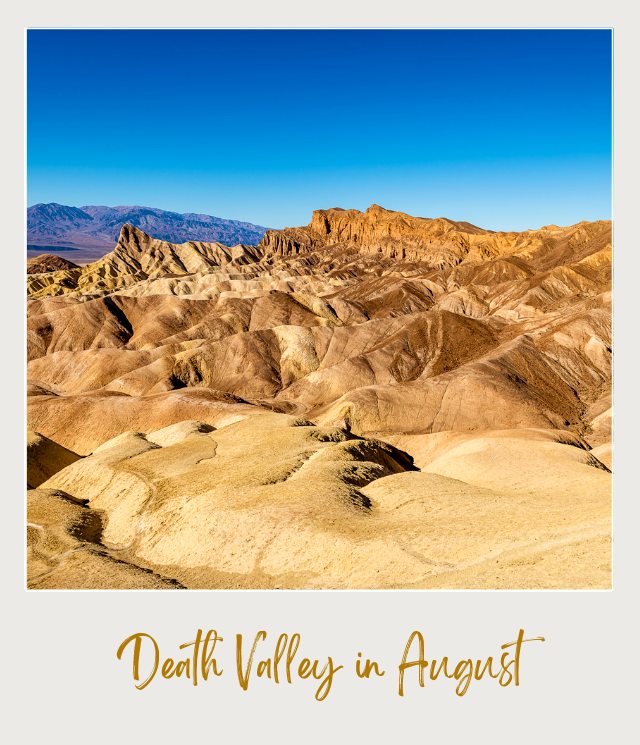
{"x": 255, "y": 416}
{"x": 48, "y": 263}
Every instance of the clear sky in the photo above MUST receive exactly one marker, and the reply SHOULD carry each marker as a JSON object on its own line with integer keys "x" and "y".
{"x": 505, "y": 129}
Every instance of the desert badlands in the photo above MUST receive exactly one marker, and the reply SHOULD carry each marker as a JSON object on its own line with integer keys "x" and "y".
{"x": 372, "y": 401}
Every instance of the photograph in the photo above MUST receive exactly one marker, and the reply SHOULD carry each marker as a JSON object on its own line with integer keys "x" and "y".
{"x": 318, "y": 309}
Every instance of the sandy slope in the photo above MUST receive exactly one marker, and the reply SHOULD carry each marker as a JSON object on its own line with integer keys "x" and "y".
{"x": 271, "y": 501}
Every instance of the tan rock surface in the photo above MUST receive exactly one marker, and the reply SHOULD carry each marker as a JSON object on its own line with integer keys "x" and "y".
{"x": 64, "y": 549}
{"x": 271, "y": 501}
{"x": 48, "y": 263}
{"x": 44, "y": 458}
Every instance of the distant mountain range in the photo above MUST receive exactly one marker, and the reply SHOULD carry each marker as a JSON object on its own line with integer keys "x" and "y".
{"x": 95, "y": 227}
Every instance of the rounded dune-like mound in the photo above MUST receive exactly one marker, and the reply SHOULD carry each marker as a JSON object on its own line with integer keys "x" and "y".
{"x": 273, "y": 501}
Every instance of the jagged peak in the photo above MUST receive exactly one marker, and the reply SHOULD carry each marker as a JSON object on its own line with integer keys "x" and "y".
{"x": 376, "y": 211}
{"x": 129, "y": 229}
{"x": 132, "y": 240}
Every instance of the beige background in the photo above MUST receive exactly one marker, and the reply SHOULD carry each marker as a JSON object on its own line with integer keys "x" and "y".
{"x": 61, "y": 679}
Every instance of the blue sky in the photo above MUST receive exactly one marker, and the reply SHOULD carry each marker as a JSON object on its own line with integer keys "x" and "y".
{"x": 505, "y": 129}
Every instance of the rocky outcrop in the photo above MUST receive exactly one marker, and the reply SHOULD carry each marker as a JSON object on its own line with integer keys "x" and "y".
{"x": 393, "y": 235}
{"x": 438, "y": 242}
